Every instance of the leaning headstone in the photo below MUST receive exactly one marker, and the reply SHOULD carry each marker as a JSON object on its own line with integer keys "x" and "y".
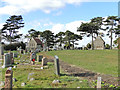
{"x": 56, "y": 63}
{"x": 44, "y": 61}
{"x": 8, "y": 78}
{"x": 39, "y": 58}
{"x": 7, "y": 61}
{"x": 99, "y": 83}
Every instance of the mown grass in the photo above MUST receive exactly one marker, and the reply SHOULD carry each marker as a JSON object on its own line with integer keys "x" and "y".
{"x": 102, "y": 61}
{"x": 43, "y": 77}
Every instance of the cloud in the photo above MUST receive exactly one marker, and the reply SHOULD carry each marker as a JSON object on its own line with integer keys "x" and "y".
{"x": 11, "y": 7}
{"x": 22, "y": 6}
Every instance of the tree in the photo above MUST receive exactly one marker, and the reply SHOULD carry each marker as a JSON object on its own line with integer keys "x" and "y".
{"x": 67, "y": 38}
{"x": 34, "y": 33}
{"x": 111, "y": 23}
{"x": 74, "y": 38}
{"x": 60, "y": 38}
{"x": 107, "y": 46}
{"x": 88, "y": 46}
{"x": 89, "y": 29}
{"x": 10, "y": 28}
{"x": 49, "y": 37}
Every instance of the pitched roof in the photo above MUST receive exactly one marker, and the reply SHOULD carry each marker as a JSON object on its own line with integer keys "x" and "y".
{"x": 38, "y": 41}
{"x": 100, "y": 38}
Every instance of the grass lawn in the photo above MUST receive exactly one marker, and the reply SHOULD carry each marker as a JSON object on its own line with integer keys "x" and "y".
{"x": 102, "y": 61}
{"x": 43, "y": 78}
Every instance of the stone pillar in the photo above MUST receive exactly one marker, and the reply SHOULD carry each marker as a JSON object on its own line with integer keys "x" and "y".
{"x": 7, "y": 60}
{"x": 99, "y": 83}
{"x": 56, "y": 63}
{"x": 39, "y": 58}
{"x": 8, "y": 78}
{"x": 44, "y": 61}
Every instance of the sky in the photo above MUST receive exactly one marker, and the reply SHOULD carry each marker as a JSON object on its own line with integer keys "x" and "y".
{"x": 57, "y": 15}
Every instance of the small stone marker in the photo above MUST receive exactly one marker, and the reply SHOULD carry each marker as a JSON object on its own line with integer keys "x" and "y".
{"x": 14, "y": 80}
{"x": 39, "y": 58}
{"x": 57, "y": 68}
{"x": 41, "y": 68}
{"x": 23, "y": 84}
{"x": 44, "y": 61}
{"x": 99, "y": 83}
{"x": 31, "y": 79}
{"x": 30, "y": 75}
{"x": 15, "y": 67}
{"x": 8, "y": 78}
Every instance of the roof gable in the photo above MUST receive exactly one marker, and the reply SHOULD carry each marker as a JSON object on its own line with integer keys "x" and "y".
{"x": 38, "y": 41}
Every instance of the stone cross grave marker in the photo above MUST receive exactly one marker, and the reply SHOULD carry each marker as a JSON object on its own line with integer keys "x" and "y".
{"x": 7, "y": 60}
{"x": 56, "y": 63}
{"x": 44, "y": 61}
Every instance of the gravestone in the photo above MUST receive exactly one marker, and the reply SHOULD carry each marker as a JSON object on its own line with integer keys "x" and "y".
{"x": 11, "y": 57}
{"x": 39, "y": 58}
{"x": 15, "y": 55}
{"x": 8, "y": 78}
{"x": 44, "y": 61}
{"x": 99, "y": 83}
{"x": 56, "y": 63}
{"x": 7, "y": 60}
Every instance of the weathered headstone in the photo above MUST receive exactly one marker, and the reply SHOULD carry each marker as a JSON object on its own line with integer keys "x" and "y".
{"x": 44, "y": 61}
{"x": 56, "y": 63}
{"x": 39, "y": 58}
{"x": 7, "y": 60}
{"x": 8, "y": 78}
{"x": 11, "y": 57}
{"x": 99, "y": 83}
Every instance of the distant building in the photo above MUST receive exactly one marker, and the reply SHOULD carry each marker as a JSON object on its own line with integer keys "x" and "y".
{"x": 34, "y": 44}
{"x": 99, "y": 43}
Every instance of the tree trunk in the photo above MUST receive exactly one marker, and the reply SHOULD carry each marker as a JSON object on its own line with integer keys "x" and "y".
{"x": 92, "y": 42}
{"x": 111, "y": 38}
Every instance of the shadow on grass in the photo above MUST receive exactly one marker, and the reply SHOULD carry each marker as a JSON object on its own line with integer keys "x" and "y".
{"x": 79, "y": 74}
